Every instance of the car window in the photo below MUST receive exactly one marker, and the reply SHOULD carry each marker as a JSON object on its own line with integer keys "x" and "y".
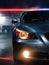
{"x": 35, "y": 17}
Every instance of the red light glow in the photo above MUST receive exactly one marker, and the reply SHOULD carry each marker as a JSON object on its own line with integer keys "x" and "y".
{"x": 23, "y": 9}
{"x": 18, "y": 9}
{"x": 6, "y": 58}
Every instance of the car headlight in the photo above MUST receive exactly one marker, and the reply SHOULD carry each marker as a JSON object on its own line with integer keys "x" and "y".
{"x": 26, "y": 54}
{"x": 22, "y": 34}
{"x": 25, "y": 35}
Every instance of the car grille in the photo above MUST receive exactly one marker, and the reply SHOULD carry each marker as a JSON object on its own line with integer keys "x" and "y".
{"x": 47, "y": 35}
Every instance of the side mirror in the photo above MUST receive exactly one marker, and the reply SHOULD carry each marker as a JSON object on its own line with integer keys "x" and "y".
{"x": 15, "y": 23}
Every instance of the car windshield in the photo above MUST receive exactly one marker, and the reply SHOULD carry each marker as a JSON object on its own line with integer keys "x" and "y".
{"x": 35, "y": 17}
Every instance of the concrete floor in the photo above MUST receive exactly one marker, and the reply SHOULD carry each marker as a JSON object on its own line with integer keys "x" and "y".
{"x": 6, "y": 49}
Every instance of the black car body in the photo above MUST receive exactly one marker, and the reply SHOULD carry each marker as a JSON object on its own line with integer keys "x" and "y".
{"x": 31, "y": 38}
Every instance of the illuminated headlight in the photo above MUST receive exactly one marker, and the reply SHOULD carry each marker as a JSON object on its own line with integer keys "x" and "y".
{"x": 22, "y": 34}
{"x": 25, "y": 35}
{"x": 26, "y": 54}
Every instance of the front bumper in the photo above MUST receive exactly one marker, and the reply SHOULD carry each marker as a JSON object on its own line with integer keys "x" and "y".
{"x": 37, "y": 48}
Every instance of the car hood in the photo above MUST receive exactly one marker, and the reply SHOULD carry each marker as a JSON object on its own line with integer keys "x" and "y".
{"x": 39, "y": 28}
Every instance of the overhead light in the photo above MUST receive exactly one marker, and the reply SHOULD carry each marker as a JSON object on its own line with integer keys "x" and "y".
{"x": 2, "y": 19}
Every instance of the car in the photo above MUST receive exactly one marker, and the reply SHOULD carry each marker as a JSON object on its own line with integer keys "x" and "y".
{"x": 31, "y": 38}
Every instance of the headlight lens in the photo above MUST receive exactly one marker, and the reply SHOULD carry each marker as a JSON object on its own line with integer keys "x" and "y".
{"x": 22, "y": 34}
{"x": 25, "y": 35}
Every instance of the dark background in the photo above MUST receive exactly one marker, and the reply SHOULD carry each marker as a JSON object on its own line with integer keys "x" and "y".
{"x": 24, "y": 3}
